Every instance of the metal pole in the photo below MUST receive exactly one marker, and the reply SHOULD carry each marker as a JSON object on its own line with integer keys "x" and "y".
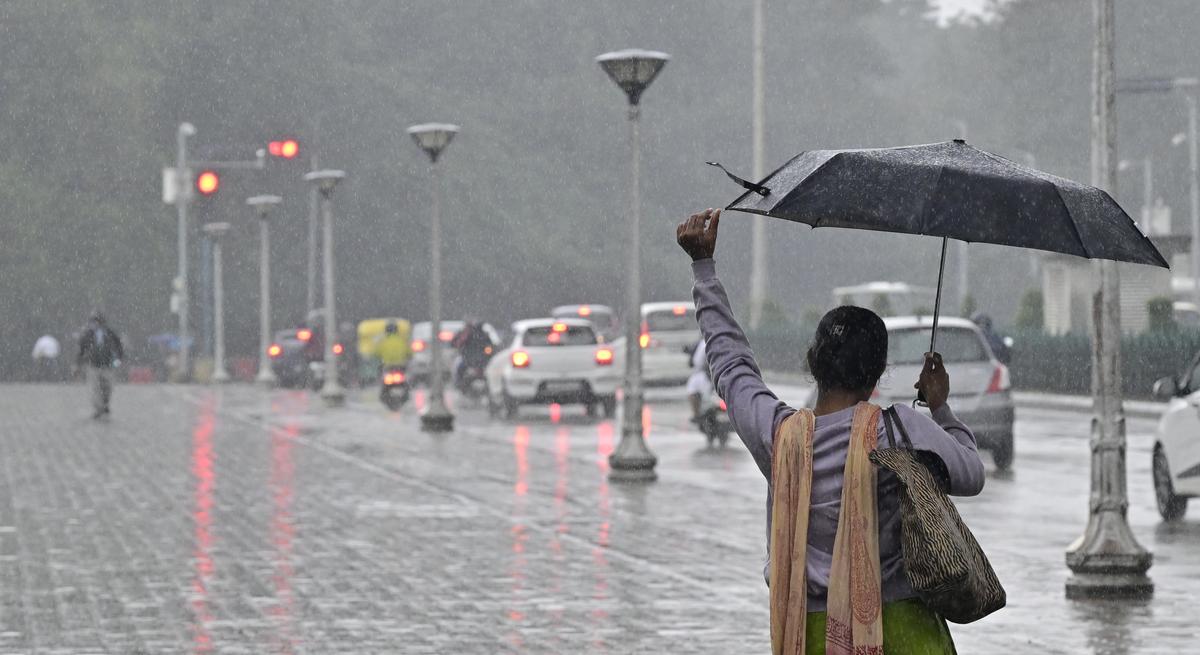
{"x": 937, "y": 303}
{"x": 314, "y": 208}
{"x": 437, "y": 417}
{"x": 758, "y": 252}
{"x": 265, "y": 374}
{"x": 219, "y": 372}
{"x": 331, "y": 390}
{"x": 1194, "y": 183}
{"x": 1107, "y": 560}
{"x": 1148, "y": 195}
{"x": 182, "y": 198}
{"x": 632, "y": 461}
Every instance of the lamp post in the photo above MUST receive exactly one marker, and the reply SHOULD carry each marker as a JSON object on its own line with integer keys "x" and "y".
{"x": 183, "y": 196}
{"x": 262, "y": 207}
{"x": 758, "y": 243}
{"x": 632, "y": 461}
{"x": 1147, "y": 167}
{"x": 325, "y": 181}
{"x": 1107, "y": 560}
{"x": 215, "y": 232}
{"x": 433, "y": 139}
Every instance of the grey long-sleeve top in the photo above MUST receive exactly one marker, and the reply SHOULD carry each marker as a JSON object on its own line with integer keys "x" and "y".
{"x": 756, "y": 413}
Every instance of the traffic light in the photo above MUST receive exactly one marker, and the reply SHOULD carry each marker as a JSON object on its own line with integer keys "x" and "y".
{"x": 208, "y": 182}
{"x": 285, "y": 148}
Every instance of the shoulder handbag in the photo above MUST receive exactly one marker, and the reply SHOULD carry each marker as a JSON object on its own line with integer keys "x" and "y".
{"x": 942, "y": 559}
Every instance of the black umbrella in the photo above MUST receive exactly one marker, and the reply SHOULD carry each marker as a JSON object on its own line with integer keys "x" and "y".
{"x": 950, "y": 190}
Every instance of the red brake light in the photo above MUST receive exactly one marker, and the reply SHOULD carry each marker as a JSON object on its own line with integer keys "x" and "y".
{"x": 554, "y": 338}
{"x": 289, "y": 149}
{"x": 585, "y": 311}
{"x": 338, "y": 349}
{"x": 644, "y": 340}
{"x": 1000, "y": 380}
{"x": 275, "y": 350}
{"x": 487, "y": 350}
{"x": 304, "y": 334}
{"x": 604, "y": 357}
{"x": 418, "y": 345}
{"x": 446, "y": 335}
{"x": 679, "y": 310}
{"x": 395, "y": 377}
{"x": 559, "y": 327}
{"x": 722, "y": 405}
{"x": 520, "y": 359}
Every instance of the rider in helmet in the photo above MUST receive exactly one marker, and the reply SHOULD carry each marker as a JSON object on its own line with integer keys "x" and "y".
{"x": 391, "y": 347}
{"x": 474, "y": 348}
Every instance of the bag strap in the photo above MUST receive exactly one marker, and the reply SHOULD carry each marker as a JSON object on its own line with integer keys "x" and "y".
{"x": 887, "y": 424}
{"x": 894, "y": 417}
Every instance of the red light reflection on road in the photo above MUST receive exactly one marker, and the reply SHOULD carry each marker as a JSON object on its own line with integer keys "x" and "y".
{"x": 520, "y": 535}
{"x": 283, "y": 532}
{"x": 202, "y": 520}
{"x": 555, "y": 413}
{"x": 604, "y": 448}
{"x": 562, "y": 451}
{"x": 646, "y": 411}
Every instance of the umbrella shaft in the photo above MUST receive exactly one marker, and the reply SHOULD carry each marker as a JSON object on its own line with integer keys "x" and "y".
{"x": 937, "y": 303}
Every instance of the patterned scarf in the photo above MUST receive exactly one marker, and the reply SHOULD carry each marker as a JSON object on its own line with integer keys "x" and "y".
{"x": 854, "y": 607}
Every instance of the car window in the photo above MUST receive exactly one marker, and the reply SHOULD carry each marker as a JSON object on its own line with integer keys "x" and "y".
{"x": 955, "y": 345}
{"x": 680, "y": 318}
{"x": 559, "y": 335}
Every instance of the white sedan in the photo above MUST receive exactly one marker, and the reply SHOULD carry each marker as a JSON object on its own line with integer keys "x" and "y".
{"x": 1176, "y": 464}
{"x": 554, "y": 361}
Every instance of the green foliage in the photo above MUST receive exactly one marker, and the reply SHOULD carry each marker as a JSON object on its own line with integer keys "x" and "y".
{"x": 1160, "y": 314}
{"x": 1030, "y": 316}
{"x": 1062, "y": 364}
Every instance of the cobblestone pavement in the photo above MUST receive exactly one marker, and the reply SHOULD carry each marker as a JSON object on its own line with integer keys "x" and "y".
{"x": 236, "y": 520}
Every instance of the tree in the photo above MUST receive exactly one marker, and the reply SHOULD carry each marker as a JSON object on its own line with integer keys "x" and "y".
{"x": 1030, "y": 315}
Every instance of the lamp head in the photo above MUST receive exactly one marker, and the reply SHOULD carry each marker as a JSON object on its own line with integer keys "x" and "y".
{"x": 325, "y": 180}
{"x": 633, "y": 70}
{"x": 263, "y": 204}
{"x": 433, "y": 137}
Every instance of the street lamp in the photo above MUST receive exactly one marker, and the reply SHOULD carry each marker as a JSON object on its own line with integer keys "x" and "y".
{"x": 183, "y": 196}
{"x": 325, "y": 181}
{"x": 433, "y": 139}
{"x": 262, "y": 206}
{"x": 1147, "y": 167}
{"x": 215, "y": 232}
{"x": 633, "y": 71}
{"x": 1107, "y": 560}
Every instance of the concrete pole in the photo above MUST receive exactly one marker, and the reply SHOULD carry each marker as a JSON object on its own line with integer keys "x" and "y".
{"x": 1194, "y": 185}
{"x": 314, "y": 209}
{"x": 437, "y": 417}
{"x": 331, "y": 390}
{"x": 758, "y": 251}
{"x": 265, "y": 374}
{"x": 220, "y": 375}
{"x": 182, "y": 199}
{"x": 632, "y": 460}
{"x": 1107, "y": 560}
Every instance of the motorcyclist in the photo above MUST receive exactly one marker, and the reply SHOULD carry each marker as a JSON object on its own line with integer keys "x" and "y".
{"x": 699, "y": 384}
{"x": 392, "y": 348}
{"x": 474, "y": 348}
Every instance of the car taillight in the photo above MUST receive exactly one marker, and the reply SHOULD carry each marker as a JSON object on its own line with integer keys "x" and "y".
{"x": 304, "y": 334}
{"x": 585, "y": 311}
{"x": 722, "y": 405}
{"x": 395, "y": 377}
{"x": 644, "y": 340}
{"x": 679, "y": 310}
{"x": 1000, "y": 380}
{"x": 338, "y": 349}
{"x": 418, "y": 345}
{"x": 604, "y": 357}
{"x": 446, "y": 335}
{"x": 520, "y": 359}
{"x": 275, "y": 350}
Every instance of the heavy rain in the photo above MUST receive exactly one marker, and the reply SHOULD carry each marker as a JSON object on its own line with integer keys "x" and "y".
{"x": 547, "y": 327}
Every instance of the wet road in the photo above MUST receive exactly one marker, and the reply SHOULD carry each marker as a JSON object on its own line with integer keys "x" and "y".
{"x": 242, "y": 521}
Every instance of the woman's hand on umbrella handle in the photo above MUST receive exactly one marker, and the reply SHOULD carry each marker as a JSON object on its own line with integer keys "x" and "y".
{"x": 934, "y": 384}
{"x": 698, "y": 234}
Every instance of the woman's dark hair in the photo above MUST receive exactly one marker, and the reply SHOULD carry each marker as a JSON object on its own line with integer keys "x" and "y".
{"x": 849, "y": 351}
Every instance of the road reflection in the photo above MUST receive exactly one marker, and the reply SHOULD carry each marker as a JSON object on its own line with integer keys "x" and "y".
{"x": 600, "y": 593}
{"x": 204, "y": 477}
{"x": 283, "y": 530}
{"x": 520, "y": 535}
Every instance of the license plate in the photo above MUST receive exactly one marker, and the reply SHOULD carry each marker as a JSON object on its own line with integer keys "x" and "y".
{"x": 562, "y": 387}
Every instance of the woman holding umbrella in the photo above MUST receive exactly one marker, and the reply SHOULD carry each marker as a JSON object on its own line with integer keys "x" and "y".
{"x": 835, "y": 566}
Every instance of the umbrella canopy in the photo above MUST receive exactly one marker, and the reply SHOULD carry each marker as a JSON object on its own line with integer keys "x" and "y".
{"x": 950, "y": 190}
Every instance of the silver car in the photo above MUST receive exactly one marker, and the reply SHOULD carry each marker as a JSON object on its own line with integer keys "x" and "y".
{"x": 980, "y": 389}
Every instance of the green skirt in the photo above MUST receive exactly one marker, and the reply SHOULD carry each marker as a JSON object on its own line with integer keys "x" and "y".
{"x": 909, "y": 628}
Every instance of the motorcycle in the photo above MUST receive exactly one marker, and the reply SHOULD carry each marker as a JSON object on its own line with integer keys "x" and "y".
{"x": 472, "y": 383}
{"x": 393, "y": 388}
{"x": 714, "y": 420}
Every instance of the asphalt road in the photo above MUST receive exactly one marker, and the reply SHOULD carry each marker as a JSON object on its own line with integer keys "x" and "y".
{"x": 238, "y": 520}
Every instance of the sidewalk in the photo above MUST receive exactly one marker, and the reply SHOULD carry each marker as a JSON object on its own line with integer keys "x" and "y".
{"x": 1042, "y": 400}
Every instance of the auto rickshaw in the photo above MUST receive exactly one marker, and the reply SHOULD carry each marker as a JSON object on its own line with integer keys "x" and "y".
{"x": 369, "y": 333}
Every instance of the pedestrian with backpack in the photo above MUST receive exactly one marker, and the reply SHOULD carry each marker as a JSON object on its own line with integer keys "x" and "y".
{"x": 100, "y": 351}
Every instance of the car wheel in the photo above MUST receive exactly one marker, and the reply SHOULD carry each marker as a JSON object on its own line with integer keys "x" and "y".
{"x": 609, "y": 405}
{"x": 1170, "y": 506}
{"x": 493, "y": 408}
{"x": 511, "y": 406}
{"x": 1002, "y": 452}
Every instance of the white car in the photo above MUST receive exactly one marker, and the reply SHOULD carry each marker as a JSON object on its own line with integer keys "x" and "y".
{"x": 980, "y": 387}
{"x": 601, "y": 316}
{"x": 420, "y": 363}
{"x": 554, "y": 361}
{"x": 1176, "y": 464}
{"x": 667, "y": 328}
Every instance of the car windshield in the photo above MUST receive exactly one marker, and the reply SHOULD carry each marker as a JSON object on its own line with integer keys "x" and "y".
{"x": 560, "y": 334}
{"x": 679, "y": 318}
{"x": 449, "y": 329}
{"x": 955, "y": 344}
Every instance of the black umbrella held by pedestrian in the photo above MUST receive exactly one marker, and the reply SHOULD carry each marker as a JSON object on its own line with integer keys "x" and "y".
{"x": 950, "y": 190}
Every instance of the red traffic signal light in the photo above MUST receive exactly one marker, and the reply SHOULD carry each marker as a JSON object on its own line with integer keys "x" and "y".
{"x": 286, "y": 148}
{"x": 208, "y": 182}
